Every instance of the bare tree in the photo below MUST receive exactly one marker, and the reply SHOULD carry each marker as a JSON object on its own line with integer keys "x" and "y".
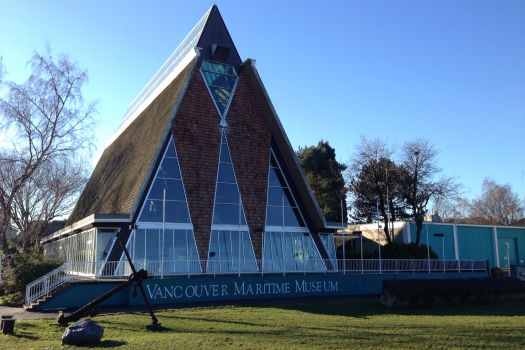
{"x": 50, "y": 193}
{"x": 50, "y": 122}
{"x": 456, "y": 208}
{"x": 420, "y": 184}
{"x": 373, "y": 180}
{"x": 498, "y": 204}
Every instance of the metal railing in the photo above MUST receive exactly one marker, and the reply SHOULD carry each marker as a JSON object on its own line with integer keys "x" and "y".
{"x": 166, "y": 268}
{"x": 44, "y": 285}
{"x": 410, "y": 265}
{"x": 189, "y": 42}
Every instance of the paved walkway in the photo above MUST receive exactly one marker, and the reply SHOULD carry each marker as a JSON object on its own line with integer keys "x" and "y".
{"x": 20, "y": 314}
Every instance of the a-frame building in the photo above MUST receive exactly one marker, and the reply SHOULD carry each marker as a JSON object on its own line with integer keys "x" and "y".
{"x": 200, "y": 177}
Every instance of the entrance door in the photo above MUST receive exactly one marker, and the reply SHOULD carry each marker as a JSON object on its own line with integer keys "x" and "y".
{"x": 503, "y": 243}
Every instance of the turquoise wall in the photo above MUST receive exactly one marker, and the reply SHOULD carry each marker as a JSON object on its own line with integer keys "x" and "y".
{"x": 436, "y": 242}
{"x": 474, "y": 242}
{"x": 80, "y": 293}
{"x": 518, "y": 235}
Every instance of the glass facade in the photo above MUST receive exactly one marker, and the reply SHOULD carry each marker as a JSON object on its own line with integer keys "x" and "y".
{"x": 231, "y": 251}
{"x": 230, "y": 248}
{"x": 166, "y": 200}
{"x": 281, "y": 209}
{"x": 162, "y": 251}
{"x": 288, "y": 245}
{"x": 86, "y": 252}
{"x": 220, "y": 79}
{"x": 329, "y": 244}
{"x": 164, "y": 242}
{"x": 74, "y": 248}
{"x": 227, "y": 208}
{"x": 105, "y": 241}
{"x": 291, "y": 251}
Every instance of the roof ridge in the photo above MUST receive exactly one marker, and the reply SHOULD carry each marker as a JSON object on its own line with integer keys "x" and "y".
{"x": 169, "y": 66}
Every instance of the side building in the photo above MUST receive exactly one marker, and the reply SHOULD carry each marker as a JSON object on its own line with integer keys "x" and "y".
{"x": 500, "y": 246}
{"x": 200, "y": 178}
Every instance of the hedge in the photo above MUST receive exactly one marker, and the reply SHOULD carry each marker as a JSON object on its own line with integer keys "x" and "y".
{"x": 410, "y": 293}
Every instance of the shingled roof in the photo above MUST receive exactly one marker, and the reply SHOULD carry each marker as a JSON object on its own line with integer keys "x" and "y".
{"x": 124, "y": 167}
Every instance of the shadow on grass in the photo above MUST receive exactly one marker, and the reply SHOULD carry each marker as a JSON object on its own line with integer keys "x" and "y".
{"x": 24, "y": 336}
{"x": 212, "y": 320}
{"x": 104, "y": 344}
{"x": 110, "y": 343}
{"x": 364, "y": 307}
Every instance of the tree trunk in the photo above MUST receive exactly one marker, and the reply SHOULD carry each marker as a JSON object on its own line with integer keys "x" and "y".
{"x": 386, "y": 229}
{"x": 419, "y": 228}
{"x": 4, "y": 226}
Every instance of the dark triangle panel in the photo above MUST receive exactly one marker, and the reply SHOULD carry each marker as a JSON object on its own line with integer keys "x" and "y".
{"x": 215, "y": 32}
{"x": 197, "y": 140}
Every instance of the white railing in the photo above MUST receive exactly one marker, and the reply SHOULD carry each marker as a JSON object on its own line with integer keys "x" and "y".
{"x": 189, "y": 42}
{"x": 46, "y": 284}
{"x": 410, "y": 265}
{"x": 166, "y": 268}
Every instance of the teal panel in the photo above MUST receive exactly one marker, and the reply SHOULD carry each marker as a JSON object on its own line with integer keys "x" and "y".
{"x": 79, "y": 294}
{"x": 518, "y": 234}
{"x": 475, "y": 243}
{"x": 507, "y": 251}
{"x": 442, "y": 246}
{"x": 413, "y": 232}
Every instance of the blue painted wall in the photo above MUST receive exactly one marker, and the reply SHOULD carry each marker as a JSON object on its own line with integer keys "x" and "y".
{"x": 516, "y": 234}
{"x": 233, "y": 288}
{"x": 474, "y": 242}
{"x": 436, "y": 243}
{"x": 81, "y": 293}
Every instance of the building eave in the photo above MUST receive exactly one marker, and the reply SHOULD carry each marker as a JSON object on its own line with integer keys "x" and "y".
{"x": 85, "y": 223}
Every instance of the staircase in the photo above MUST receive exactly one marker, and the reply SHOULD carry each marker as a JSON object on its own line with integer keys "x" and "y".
{"x": 35, "y": 304}
{"x": 48, "y": 285}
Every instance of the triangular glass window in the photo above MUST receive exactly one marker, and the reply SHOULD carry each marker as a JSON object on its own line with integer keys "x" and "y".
{"x": 220, "y": 79}
{"x": 288, "y": 245}
{"x": 281, "y": 209}
{"x": 227, "y": 209}
{"x": 230, "y": 247}
{"x": 164, "y": 242}
{"x": 166, "y": 200}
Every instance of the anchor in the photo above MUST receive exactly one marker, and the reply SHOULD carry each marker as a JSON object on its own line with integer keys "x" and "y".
{"x": 135, "y": 279}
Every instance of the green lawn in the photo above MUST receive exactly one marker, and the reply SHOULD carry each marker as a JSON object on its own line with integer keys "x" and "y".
{"x": 339, "y": 323}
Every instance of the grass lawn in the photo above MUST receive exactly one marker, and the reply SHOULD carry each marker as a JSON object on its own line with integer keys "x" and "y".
{"x": 337, "y": 323}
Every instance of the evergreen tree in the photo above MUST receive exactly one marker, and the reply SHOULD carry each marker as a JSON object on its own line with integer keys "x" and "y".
{"x": 325, "y": 176}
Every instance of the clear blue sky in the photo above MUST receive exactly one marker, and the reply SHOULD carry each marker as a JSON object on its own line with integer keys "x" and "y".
{"x": 450, "y": 71}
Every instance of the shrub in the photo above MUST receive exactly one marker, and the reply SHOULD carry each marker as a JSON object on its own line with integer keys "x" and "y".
{"x": 409, "y": 293}
{"x": 396, "y": 250}
{"x": 27, "y": 265}
{"x": 497, "y": 272}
